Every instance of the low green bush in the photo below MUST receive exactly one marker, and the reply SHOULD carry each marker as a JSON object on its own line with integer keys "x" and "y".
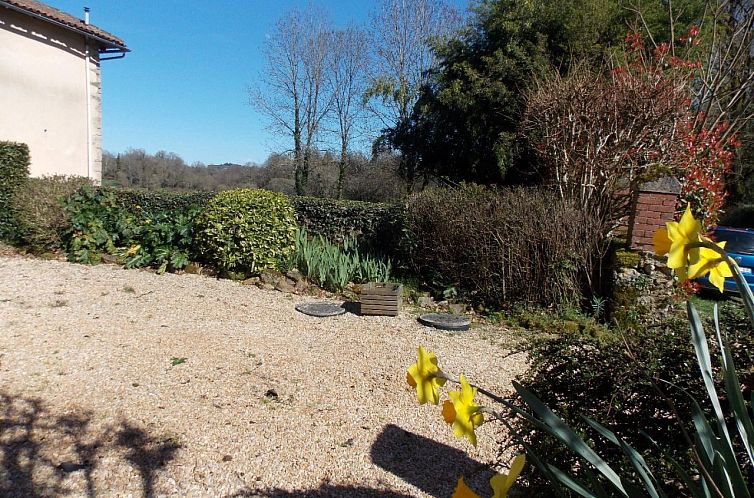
{"x": 612, "y": 378}
{"x": 332, "y": 266}
{"x": 14, "y": 171}
{"x": 501, "y": 247}
{"x": 41, "y": 219}
{"x": 247, "y": 230}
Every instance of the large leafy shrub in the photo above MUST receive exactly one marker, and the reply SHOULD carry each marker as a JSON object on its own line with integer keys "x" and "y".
{"x": 247, "y": 230}
{"x": 38, "y": 209}
{"x": 504, "y": 246}
{"x": 98, "y": 225}
{"x": 102, "y": 223}
{"x": 14, "y": 170}
{"x": 163, "y": 241}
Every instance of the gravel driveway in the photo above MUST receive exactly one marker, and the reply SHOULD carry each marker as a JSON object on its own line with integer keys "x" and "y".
{"x": 126, "y": 383}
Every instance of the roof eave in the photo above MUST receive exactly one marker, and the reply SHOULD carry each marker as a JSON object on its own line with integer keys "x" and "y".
{"x": 107, "y": 44}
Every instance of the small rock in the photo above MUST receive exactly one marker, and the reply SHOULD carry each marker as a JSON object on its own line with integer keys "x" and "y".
{"x": 457, "y": 309}
{"x": 251, "y": 281}
{"x": 285, "y": 285}
{"x": 227, "y": 458}
{"x": 72, "y": 466}
{"x": 271, "y": 394}
{"x": 426, "y": 302}
{"x": 266, "y": 286}
{"x": 193, "y": 268}
{"x": 269, "y": 278}
{"x": 109, "y": 259}
{"x": 295, "y": 275}
{"x": 301, "y": 287}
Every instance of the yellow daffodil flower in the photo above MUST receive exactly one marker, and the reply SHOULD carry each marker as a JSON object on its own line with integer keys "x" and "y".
{"x": 502, "y": 483}
{"x": 680, "y": 234}
{"x": 463, "y": 413}
{"x": 463, "y": 491}
{"x": 424, "y": 376}
{"x": 661, "y": 241}
{"x": 710, "y": 261}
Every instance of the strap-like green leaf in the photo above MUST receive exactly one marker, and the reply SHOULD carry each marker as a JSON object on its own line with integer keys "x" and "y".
{"x": 699, "y": 340}
{"x": 559, "y": 429}
{"x": 650, "y": 483}
{"x": 735, "y": 397}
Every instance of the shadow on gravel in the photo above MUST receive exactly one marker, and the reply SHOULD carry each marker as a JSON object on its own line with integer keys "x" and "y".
{"x": 430, "y": 466}
{"x": 40, "y": 451}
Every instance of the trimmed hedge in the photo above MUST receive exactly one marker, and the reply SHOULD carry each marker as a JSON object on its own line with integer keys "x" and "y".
{"x": 14, "y": 170}
{"x": 377, "y": 227}
{"x": 158, "y": 201}
{"x": 38, "y": 208}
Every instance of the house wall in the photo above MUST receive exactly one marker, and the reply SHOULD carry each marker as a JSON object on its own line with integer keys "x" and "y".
{"x": 43, "y": 95}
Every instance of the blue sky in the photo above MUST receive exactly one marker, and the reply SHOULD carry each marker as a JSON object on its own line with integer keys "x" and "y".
{"x": 183, "y": 86}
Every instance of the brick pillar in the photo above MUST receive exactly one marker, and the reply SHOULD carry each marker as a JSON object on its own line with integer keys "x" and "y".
{"x": 654, "y": 204}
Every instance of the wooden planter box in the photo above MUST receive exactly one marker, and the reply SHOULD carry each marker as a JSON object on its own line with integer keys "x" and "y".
{"x": 381, "y": 299}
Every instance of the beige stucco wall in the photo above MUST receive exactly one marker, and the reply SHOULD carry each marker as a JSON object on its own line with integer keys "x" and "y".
{"x": 43, "y": 96}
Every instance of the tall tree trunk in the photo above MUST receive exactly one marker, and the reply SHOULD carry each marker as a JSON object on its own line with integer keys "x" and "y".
{"x": 298, "y": 158}
{"x": 343, "y": 166}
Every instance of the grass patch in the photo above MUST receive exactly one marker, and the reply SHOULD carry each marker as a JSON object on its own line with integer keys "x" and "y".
{"x": 175, "y": 361}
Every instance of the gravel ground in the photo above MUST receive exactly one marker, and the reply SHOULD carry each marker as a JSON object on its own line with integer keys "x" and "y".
{"x": 125, "y": 383}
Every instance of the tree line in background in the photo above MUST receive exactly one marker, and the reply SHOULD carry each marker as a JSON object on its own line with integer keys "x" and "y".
{"x": 588, "y": 97}
{"x": 462, "y": 100}
{"x": 373, "y": 179}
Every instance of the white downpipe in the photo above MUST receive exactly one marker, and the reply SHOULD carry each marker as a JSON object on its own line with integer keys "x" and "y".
{"x": 89, "y": 165}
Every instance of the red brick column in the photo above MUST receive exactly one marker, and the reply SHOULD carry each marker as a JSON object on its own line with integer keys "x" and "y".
{"x": 654, "y": 204}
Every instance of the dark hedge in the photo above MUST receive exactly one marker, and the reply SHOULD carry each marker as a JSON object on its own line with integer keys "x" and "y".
{"x": 156, "y": 201}
{"x": 378, "y": 227}
{"x": 14, "y": 170}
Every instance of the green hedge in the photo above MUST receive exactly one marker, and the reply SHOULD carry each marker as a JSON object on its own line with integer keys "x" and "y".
{"x": 377, "y": 227}
{"x": 14, "y": 170}
{"x": 158, "y": 201}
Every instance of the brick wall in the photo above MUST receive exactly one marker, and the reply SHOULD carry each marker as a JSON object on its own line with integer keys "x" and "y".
{"x": 654, "y": 204}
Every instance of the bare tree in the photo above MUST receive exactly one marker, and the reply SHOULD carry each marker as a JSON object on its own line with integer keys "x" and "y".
{"x": 724, "y": 84}
{"x": 349, "y": 62}
{"x": 403, "y": 32}
{"x": 293, "y": 94}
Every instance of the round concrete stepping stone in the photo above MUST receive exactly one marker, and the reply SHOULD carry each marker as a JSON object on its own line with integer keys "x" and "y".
{"x": 446, "y": 321}
{"x": 321, "y": 309}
